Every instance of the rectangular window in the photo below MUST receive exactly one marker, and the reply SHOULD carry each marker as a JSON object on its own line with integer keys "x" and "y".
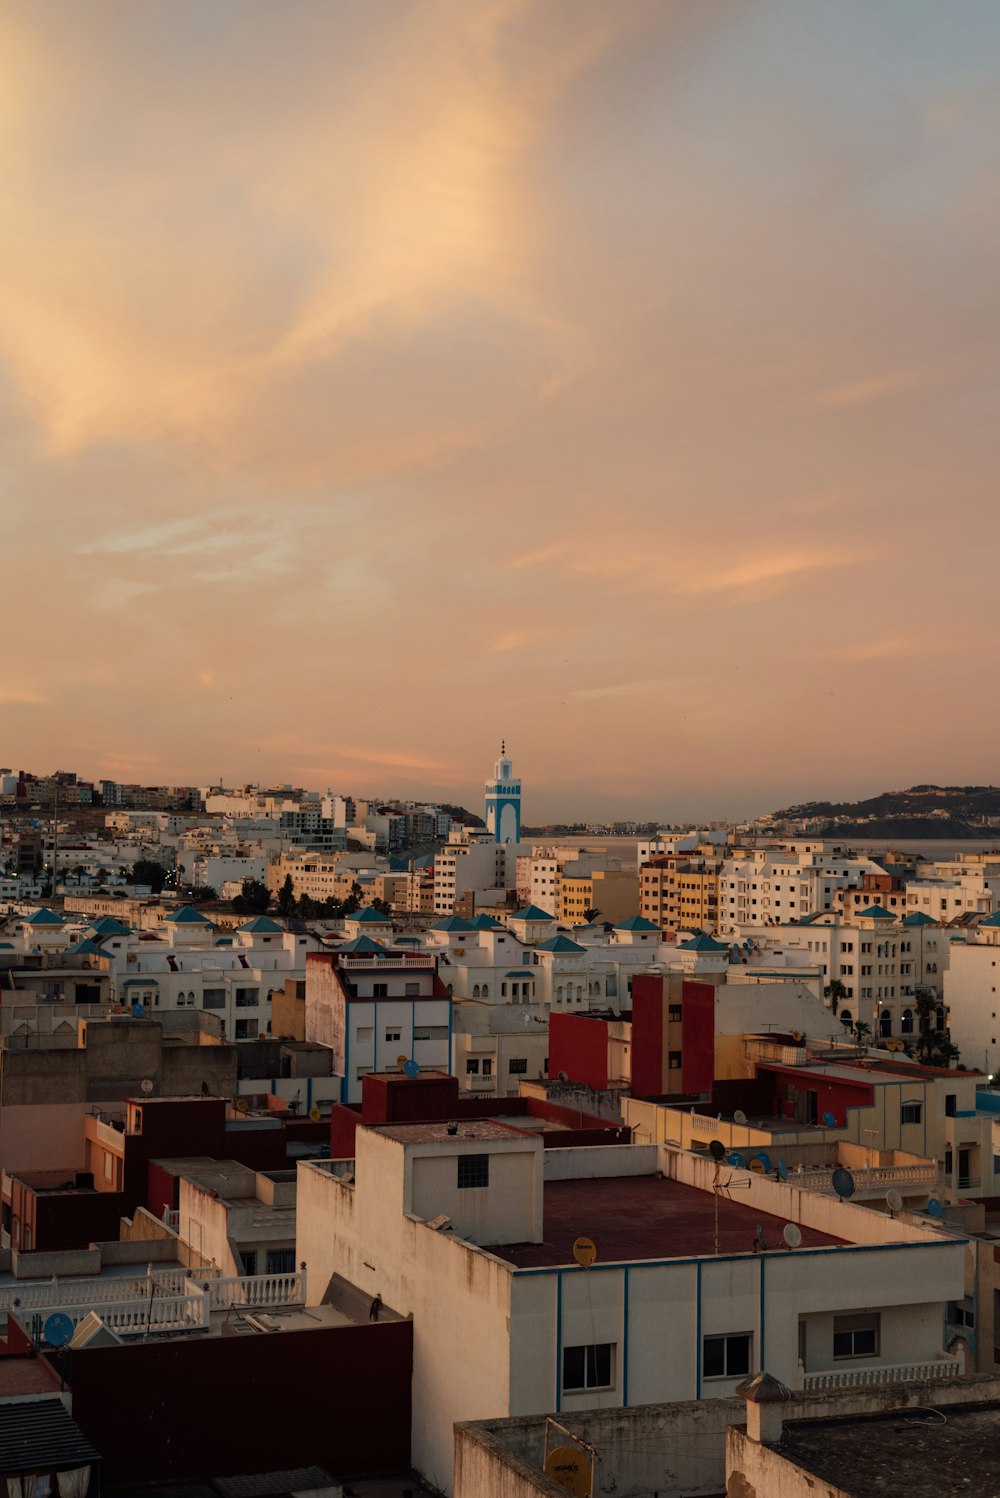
{"x": 473, "y": 1171}
{"x": 472, "y": 1068}
{"x": 247, "y": 998}
{"x": 856, "y": 1336}
{"x": 246, "y": 1029}
{"x": 214, "y": 998}
{"x": 380, "y": 990}
{"x": 411, "y": 990}
{"x": 487, "y": 1068}
{"x": 430, "y": 1032}
{"x": 911, "y": 1113}
{"x": 726, "y": 1357}
{"x": 281, "y": 1261}
{"x": 674, "y": 1060}
{"x": 588, "y": 1367}
{"x": 674, "y": 1013}
{"x": 517, "y": 1064}
{"x": 362, "y": 1071}
{"x": 391, "y": 1035}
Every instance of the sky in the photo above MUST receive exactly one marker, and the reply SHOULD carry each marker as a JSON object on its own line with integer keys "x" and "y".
{"x": 379, "y": 378}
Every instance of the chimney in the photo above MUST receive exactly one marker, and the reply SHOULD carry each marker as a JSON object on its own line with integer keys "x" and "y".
{"x": 764, "y": 1396}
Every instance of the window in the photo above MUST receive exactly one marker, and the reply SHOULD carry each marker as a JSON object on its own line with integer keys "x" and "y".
{"x": 517, "y": 1064}
{"x": 674, "y": 1013}
{"x": 473, "y": 1171}
{"x": 856, "y": 1336}
{"x": 962, "y": 1314}
{"x": 430, "y": 1032}
{"x": 362, "y": 1071}
{"x": 391, "y": 1035}
{"x": 213, "y": 998}
{"x": 950, "y": 1104}
{"x": 281, "y": 1261}
{"x": 911, "y": 1113}
{"x": 411, "y": 990}
{"x": 726, "y": 1357}
{"x": 674, "y": 1060}
{"x": 380, "y": 990}
{"x": 487, "y": 1068}
{"x": 249, "y": 1257}
{"x": 246, "y": 1029}
{"x": 247, "y": 998}
{"x": 588, "y": 1367}
{"x": 472, "y": 1068}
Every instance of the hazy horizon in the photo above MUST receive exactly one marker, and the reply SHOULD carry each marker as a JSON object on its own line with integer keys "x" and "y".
{"x": 377, "y": 381}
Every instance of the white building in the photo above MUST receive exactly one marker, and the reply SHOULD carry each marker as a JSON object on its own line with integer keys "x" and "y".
{"x": 766, "y": 886}
{"x": 471, "y": 1229}
{"x": 503, "y": 802}
{"x": 970, "y": 991}
{"x": 472, "y": 861}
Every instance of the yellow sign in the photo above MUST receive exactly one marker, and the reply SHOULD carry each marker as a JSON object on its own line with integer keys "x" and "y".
{"x": 570, "y": 1469}
{"x": 585, "y": 1252}
{"x": 315, "y": 1114}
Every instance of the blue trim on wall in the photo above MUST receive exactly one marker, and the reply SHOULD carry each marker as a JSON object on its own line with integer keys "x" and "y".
{"x": 625, "y": 1337}
{"x": 697, "y": 1334}
{"x": 763, "y": 1266}
{"x": 558, "y": 1340}
{"x": 617, "y": 1265}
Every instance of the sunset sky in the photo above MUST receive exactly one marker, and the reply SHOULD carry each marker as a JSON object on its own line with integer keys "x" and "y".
{"x": 382, "y": 377}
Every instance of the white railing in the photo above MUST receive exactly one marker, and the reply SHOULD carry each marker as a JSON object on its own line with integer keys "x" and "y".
{"x": 253, "y": 1290}
{"x": 896, "y": 1373}
{"x": 161, "y": 1313}
{"x": 172, "y": 1218}
{"x": 91, "y": 1293}
{"x": 705, "y": 1125}
{"x": 405, "y": 959}
{"x": 879, "y": 1175}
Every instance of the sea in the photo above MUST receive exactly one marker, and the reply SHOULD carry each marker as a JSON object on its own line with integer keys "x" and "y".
{"x": 625, "y": 847}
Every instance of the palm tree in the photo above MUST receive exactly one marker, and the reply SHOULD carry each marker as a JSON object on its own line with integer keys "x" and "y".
{"x": 591, "y": 913}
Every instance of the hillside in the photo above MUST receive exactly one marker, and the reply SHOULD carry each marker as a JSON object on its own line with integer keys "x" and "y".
{"x": 923, "y": 811}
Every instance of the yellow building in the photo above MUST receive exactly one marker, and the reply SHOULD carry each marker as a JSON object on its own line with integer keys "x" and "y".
{"x": 614, "y": 893}
{"x": 680, "y": 893}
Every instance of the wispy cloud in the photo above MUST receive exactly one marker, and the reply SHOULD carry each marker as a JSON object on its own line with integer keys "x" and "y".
{"x": 872, "y": 391}
{"x": 777, "y": 568}
{"x": 12, "y": 696}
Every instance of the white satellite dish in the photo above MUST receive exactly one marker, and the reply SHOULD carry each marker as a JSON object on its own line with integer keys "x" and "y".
{"x": 739, "y": 1117}
{"x": 146, "y": 1084}
{"x": 894, "y": 1200}
{"x": 792, "y": 1234}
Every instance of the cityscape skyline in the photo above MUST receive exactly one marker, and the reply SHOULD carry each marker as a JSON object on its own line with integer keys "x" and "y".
{"x": 455, "y": 370}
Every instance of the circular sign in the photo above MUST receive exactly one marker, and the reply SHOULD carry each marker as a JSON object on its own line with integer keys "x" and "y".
{"x": 570, "y": 1468}
{"x": 57, "y": 1329}
{"x": 585, "y": 1252}
{"x": 315, "y": 1114}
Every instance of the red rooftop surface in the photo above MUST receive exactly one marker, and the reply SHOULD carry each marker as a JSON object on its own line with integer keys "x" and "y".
{"x": 643, "y": 1217}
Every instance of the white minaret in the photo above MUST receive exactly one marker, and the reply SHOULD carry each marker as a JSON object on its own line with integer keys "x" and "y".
{"x": 503, "y": 801}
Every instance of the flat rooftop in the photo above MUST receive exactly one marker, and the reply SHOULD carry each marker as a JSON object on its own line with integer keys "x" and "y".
{"x": 917, "y": 1453}
{"x": 643, "y": 1217}
{"x": 437, "y": 1133}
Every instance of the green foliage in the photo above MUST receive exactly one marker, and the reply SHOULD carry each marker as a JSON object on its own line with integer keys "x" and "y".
{"x": 148, "y": 871}
{"x": 591, "y": 913}
{"x": 286, "y": 897}
{"x": 253, "y": 899}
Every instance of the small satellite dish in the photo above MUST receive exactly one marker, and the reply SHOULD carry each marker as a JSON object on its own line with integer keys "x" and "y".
{"x": 57, "y": 1329}
{"x": 934, "y": 1208}
{"x": 756, "y": 1166}
{"x": 411, "y": 1070}
{"x": 735, "y": 1158}
{"x": 138, "y": 1011}
{"x": 829, "y": 1120}
{"x": 894, "y": 1200}
{"x": 782, "y": 1171}
{"x": 564, "y": 1076}
{"x": 843, "y": 1183}
{"x": 739, "y": 1117}
{"x": 792, "y": 1234}
{"x": 764, "y": 1159}
{"x": 717, "y": 1150}
{"x": 146, "y": 1085}
{"x": 585, "y": 1252}
{"x": 314, "y": 1113}
{"x": 242, "y": 1105}
{"x": 401, "y": 1061}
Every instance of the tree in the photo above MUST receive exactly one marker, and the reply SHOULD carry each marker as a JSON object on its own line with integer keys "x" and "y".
{"x": 382, "y": 906}
{"x": 253, "y": 899}
{"x": 148, "y": 871}
{"x": 861, "y": 1032}
{"x": 202, "y": 893}
{"x": 933, "y": 1047}
{"x": 353, "y": 901}
{"x": 836, "y": 992}
{"x": 591, "y": 913}
{"x": 286, "y": 896}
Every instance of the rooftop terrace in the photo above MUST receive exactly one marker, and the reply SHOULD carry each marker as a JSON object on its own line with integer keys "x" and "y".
{"x": 644, "y": 1217}
{"x": 917, "y": 1453}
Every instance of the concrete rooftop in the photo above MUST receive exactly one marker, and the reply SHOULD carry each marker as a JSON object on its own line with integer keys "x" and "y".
{"x": 917, "y": 1453}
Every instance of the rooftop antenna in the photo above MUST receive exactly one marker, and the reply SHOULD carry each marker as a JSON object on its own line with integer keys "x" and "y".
{"x": 843, "y": 1183}
{"x": 894, "y": 1201}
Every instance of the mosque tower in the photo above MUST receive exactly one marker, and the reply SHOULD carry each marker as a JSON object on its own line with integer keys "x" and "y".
{"x": 503, "y": 801}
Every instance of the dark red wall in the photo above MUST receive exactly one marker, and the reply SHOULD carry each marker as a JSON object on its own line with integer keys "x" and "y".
{"x": 833, "y": 1095}
{"x": 578, "y": 1046}
{"x": 188, "y": 1411}
{"x": 64, "y": 1220}
{"x": 649, "y": 1015}
{"x": 697, "y": 1036}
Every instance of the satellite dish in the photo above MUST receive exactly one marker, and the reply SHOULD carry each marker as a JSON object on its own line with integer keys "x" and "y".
{"x": 756, "y": 1166}
{"x": 571, "y": 1469}
{"x": 243, "y": 1105}
{"x": 147, "y": 1085}
{"x": 739, "y": 1117}
{"x": 411, "y": 1070}
{"x": 782, "y": 1171}
{"x": 401, "y": 1061}
{"x": 585, "y": 1252}
{"x": 934, "y": 1208}
{"x": 843, "y": 1183}
{"x": 735, "y": 1158}
{"x": 57, "y": 1329}
{"x": 792, "y": 1234}
{"x": 829, "y": 1120}
{"x": 138, "y": 1011}
{"x": 717, "y": 1150}
{"x": 894, "y": 1200}
{"x": 314, "y": 1113}
{"x": 763, "y": 1159}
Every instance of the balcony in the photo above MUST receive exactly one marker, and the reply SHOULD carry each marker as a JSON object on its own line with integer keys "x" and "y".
{"x": 878, "y": 1177}
{"x": 894, "y": 1373}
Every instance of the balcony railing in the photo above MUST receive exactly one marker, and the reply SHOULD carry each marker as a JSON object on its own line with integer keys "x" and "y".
{"x": 878, "y": 1175}
{"x": 894, "y": 1373}
{"x": 254, "y": 1290}
{"x": 403, "y": 960}
{"x": 166, "y": 1313}
{"x": 95, "y": 1292}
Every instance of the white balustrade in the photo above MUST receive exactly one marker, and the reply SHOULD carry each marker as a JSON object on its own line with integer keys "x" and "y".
{"x": 91, "y": 1293}
{"x": 896, "y": 1373}
{"x": 159, "y": 1313}
{"x": 260, "y": 1290}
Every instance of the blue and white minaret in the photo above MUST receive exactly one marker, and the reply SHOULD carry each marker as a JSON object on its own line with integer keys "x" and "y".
{"x": 503, "y": 801}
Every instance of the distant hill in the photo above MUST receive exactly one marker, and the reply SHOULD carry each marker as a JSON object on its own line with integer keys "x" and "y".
{"x": 923, "y": 811}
